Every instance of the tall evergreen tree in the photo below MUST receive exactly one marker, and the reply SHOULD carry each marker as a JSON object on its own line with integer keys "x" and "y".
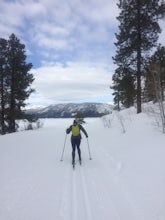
{"x": 158, "y": 59}
{"x": 15, "y": 81}
{"x": 138, "y": 34}
{"x": 124, "y": 87}
{"x": 3, "y": 64}
{"x": 19, "y": 80}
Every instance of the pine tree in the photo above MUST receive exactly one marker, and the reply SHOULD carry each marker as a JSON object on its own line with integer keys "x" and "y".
{"x": 124, "y": 87}
{"x": 158, "y": 59}
{"x": 19, "y": 80}
{"x": 138, "y": 34}
{"x": 3, "y": 64}
{"x": 15, "y": 81}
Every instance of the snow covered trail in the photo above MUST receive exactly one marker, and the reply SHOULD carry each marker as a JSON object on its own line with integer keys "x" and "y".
{"x": 36, "y": 185}
{"x": 75, "y": 202}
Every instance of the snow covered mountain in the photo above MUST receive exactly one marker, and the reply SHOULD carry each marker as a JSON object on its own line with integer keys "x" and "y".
{"x": 69, "y": 109}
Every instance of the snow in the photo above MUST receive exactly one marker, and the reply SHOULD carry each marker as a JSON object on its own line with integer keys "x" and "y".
{"x": 125, "y": 180}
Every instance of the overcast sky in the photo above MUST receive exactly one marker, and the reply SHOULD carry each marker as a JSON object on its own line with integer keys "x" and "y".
{"x": 70, "y": 44}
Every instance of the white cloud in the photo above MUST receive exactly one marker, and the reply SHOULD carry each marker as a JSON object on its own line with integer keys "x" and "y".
{"x": 69, "y": 42}
{"x": 69, "y": 26}
{"x": 98, "y": 11}
{"x": 76, "y": 81}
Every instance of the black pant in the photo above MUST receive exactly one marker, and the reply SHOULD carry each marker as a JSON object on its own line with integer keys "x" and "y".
{"x": 76, "y": 143}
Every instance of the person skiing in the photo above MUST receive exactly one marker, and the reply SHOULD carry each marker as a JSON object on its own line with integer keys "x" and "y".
{"x": 75, "y": 128}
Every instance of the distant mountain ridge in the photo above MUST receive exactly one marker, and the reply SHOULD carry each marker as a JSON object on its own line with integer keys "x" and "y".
{"x": 69, "y": 109}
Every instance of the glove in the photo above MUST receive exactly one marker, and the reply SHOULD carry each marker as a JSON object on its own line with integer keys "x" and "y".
{"x": 86, "y": 136}
{"x": 67, "y": 130}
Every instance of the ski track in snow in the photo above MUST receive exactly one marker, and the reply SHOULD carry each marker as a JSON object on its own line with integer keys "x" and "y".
{"x": 111, "y": 200}
{"x": 74, "y": 197}
{"x": 85, "y": 194}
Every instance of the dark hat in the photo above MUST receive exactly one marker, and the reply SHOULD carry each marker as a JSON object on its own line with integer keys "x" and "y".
{"x": 75, "y": 122}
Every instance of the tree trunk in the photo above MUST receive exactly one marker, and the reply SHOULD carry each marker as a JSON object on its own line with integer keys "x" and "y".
{"x": 138, "y": 60}
{"x": 139, "y": 82}
{"x": 2, "y": 104}
{"x": 12, "y": 102}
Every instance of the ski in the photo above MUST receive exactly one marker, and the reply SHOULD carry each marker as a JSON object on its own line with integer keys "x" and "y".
{"x": 73, "y": 164}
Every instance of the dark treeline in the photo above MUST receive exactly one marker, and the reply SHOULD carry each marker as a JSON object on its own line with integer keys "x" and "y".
{"x": 15, "y": 81}
{"x": 138, "y": 71}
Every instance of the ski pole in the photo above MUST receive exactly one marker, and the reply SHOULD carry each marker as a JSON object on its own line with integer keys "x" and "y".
{"x": 63, "y": 148}
{"x": 89, "y": 150}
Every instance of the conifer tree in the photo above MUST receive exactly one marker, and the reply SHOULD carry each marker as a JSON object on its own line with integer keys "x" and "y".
{"x": 158, "y": 58}
{"x": 15, "y": 81}
{"x": 3, "y": 92}
{"x": 138, "y": 34}
{"x": 124, "y": 87}
{"x": 19, "y": 80}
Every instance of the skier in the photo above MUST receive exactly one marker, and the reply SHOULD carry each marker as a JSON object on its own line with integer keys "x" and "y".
{"x": 76, "y": 138}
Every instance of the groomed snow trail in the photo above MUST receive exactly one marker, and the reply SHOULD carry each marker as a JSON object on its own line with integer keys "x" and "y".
{"x": 36, "y": 185}
{"x": 75, "y": 202}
